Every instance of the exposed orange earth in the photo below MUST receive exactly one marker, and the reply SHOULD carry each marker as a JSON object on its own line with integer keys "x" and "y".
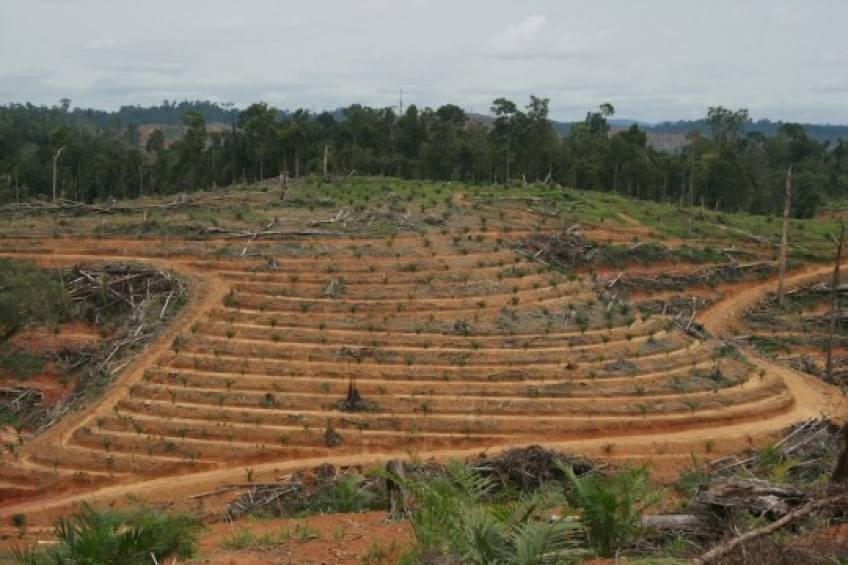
{"x": 462, "y": 345}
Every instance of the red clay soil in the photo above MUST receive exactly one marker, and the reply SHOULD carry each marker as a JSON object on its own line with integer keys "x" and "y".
{"x": 667, "y": 444}
{"x": 332, "y": 539}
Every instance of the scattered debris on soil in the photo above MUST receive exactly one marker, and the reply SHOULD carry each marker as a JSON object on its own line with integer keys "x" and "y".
{"x": 707, "y": 274}
{"x": 757, "y": 496}
{"x": 522, "y": 468}
{"x": 566, "y": 249}
{"x": 812, "y": 443}
{"x": 732, "y": 493}
{"x": 799, "y": 331}
{"x": 18, "y": 399}
{"x": 131, "y": 301}
{"x": 295, "y": 493}
{"x": 526, "y": 468}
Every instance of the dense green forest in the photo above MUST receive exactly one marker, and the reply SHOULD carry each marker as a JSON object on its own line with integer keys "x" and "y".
{"x": 729, "y": 162}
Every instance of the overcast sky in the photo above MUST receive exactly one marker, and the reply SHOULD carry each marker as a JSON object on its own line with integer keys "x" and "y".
{"x": 653, "y": 60}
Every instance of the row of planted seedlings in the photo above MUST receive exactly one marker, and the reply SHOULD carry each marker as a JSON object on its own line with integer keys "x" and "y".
{"x": 416, "y": 413}
{"x": 239, "y": 417}
{"x": 206, "y": 434}
{"x": 479, "y": 316}
{"x": 569, "y": 307}
{"x": 382, "y": 287}
{"x": 104, "y": 454}
{"x": 327, "y": 339}
{"x": 56, "y": 249}
{"x": 168, "y": 441}
{"x": 259, "y": 417}
{"x": 223, "y": 354}
{"x": 303, "y": 402}
{"x": 222, "y": 436}
{"x": 614, "y": 379}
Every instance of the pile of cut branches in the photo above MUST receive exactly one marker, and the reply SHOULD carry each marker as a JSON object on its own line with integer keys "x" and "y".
{"x": 103, "y": 291}
{"x": 707, "y": 274}
{"x": 527, "y": 468}
{"x": 130, "y": 302}
{"x": 565, "y": 249}
{"x": 17, "y": 399}
{"x": 297, "y": 492}
{"x": 809, "y": 447}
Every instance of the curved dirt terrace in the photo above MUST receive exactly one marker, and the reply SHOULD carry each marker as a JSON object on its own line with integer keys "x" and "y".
{"x": 722, "y": 317}
{"x": 464, "y": 348}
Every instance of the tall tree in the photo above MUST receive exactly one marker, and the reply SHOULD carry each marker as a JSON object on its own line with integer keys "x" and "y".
{"x": 441, "y": 153}
{"x": 411, "y": 135}
{"x": 186, "y": 163}
{"x": 507, "y": 117}
{"x": 727, "y": 125}
{"x": 258, "y": 122}
{"x": 537, "y": 140}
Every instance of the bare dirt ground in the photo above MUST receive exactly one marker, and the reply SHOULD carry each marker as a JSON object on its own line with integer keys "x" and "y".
{"x": 89, "y": 472}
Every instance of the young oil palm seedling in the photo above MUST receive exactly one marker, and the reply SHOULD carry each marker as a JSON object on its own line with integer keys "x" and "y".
{"x": 611, "y": 506}
{"x": 103, "y": 536}
{"x": 456, "y": 515}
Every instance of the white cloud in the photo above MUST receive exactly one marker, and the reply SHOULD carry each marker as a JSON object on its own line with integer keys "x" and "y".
{"x": 538, "y": 37}
{"x": 652, "y": 59}
{"x": 519, "y": 37}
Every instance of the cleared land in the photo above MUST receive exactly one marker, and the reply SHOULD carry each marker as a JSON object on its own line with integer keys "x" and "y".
{"x": 455, "y": 342}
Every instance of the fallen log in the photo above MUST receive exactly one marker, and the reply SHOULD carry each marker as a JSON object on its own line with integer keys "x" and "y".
{"x": 840, "y": 500}
{"x": 757, "y": 496}
{"x": 270, "y": 225}
{"x": 675, "y": 522}
{"x": 17, "y": 398}
{"x": 341, "y": 216}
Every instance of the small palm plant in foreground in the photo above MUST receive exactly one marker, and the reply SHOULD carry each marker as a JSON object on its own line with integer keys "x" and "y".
{"x": 611, "y": 506}
{"x": 95, "y": 536}
{"x": 456, "y": 515}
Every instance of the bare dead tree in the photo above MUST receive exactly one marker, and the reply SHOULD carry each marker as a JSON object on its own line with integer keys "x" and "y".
{"x": 55, "y": 162}
{"x": 326, "y": 157}
{"x": 834, "y": 303}
{"x": 784, "y": 239}
{"x": 284, "y": 186}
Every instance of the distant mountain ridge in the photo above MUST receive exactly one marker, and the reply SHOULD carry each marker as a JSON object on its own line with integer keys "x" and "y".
{"x": 672, "y": 136}
{"x": 820, "y": 132}
{"x": 668, "y": 135}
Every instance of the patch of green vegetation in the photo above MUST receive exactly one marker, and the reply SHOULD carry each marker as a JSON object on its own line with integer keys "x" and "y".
{"x": 20, "y": 363}
{"x": 456, "y": 515}
{"x": 348, "y": 494}
{"x": 244, "y": 538}
{"x": 612, "y": 506}
{"x": 27, "y": 295}
{"x": 773, "y": 344}
{"x": 130, "y": 537}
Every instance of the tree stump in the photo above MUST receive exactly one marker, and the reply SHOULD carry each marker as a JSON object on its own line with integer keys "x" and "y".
{"x": 397, "y": 494}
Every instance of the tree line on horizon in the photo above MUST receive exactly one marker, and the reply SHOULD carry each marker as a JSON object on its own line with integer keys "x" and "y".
{"x": 99, "y": 155}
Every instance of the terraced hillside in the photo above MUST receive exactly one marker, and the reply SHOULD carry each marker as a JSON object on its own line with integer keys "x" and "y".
{"x": 328, "y": 345}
